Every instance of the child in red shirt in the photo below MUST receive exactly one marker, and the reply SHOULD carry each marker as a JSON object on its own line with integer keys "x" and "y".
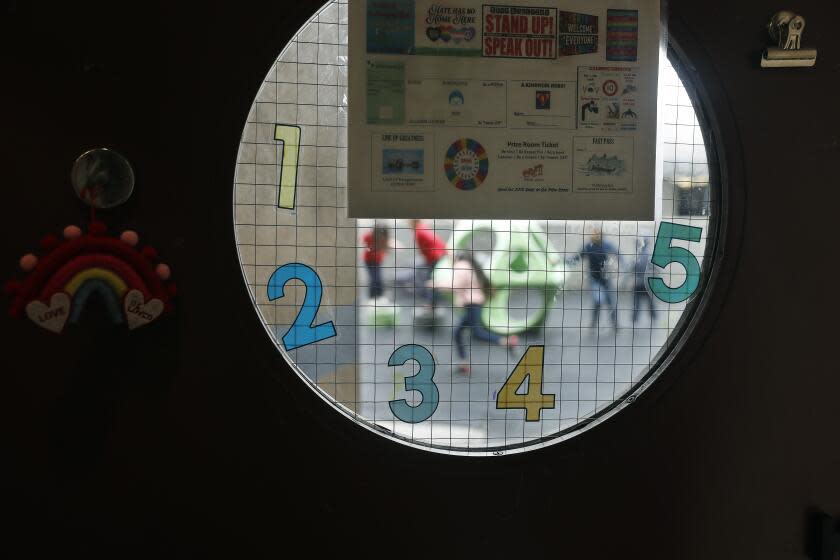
{"x": 376, "y": 245}
{"x": 432, "y": 247}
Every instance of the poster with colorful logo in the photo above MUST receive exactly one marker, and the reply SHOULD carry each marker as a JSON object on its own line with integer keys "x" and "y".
{"x": 578, "y": 34}
{"x": 447, "y": 29}
{"x": 515, "y": 109}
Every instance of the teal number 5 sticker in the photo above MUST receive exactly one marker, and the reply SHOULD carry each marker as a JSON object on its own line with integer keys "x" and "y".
{"x": 302, "y": 332}
{"x": 423, "y": 383}
{"x": 664, "y": 254}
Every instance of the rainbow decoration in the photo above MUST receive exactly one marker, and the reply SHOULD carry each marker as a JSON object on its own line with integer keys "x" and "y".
{"x": 466, "y": 164}
{"x": 622, "y": 35}
{"x": 59, "y": 284}
{"x": 448, "y": 33}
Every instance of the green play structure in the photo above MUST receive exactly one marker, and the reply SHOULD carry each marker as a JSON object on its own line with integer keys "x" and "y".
{"x": 520, "y": 259}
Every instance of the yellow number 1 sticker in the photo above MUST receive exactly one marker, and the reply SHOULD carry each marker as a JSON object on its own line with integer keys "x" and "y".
{"x": 529, "y": 368}
{"x": 289, "y": 138}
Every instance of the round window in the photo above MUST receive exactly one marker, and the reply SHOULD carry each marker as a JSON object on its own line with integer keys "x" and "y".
{"x": 568, "y": 320}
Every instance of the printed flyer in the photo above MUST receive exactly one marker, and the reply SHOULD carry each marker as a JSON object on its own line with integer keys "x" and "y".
{"x": 523, "y": 109}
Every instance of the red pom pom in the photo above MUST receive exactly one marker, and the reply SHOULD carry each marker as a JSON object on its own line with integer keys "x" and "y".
{"x": 149, "y": 252}
{"x": 12, "y": 287}
{"x": 49, "y": 242}
{"x": 72, "y": 232}
{"x": 163, "y": 271}
{"x": 97, "y": 228}
{"x": 130, "y": 238}
{"x": 172, "y": 289}
{"x": 28, "y": 262}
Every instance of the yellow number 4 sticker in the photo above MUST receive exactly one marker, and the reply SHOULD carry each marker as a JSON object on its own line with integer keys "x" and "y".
{"x": 529, "y": 370}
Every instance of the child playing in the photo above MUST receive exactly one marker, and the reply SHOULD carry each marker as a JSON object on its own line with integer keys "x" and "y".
{"x": 432, "y": 247}
{"x": 598, "y": 253}
{"x": 377, "y": 242}
{"x": 470, "y": 289}
{"x": 642, "y": 268}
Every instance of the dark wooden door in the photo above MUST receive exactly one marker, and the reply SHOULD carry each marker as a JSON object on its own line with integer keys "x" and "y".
{"x": 183, "y": 438}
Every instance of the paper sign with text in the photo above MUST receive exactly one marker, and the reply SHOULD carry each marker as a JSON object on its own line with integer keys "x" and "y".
{"x": 513, "y": 110}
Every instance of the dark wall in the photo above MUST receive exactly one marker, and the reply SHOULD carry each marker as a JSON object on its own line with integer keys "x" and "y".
{"x": 191, "y": 436}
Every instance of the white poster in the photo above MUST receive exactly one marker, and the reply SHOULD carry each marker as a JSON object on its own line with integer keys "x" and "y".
{"x": 517, "y": 110}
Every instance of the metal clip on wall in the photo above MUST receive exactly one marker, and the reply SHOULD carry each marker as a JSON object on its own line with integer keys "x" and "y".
{"x": 786, "y": 29}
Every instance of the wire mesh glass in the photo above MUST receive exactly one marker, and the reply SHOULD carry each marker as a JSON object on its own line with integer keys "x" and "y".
{"x": 602, "y": 335}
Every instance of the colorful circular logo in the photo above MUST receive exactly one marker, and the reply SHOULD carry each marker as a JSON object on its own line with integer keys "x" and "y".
{"x": 466, "y": 164}
{"x": 610, "y": 88}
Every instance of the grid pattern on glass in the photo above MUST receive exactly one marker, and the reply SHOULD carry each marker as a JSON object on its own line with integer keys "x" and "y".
{"x": 602, "y": 332}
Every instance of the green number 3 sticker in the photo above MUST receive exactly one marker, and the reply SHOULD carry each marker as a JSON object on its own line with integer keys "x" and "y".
{"x": 664, "y": 254}
{"x": 423, "y": 383}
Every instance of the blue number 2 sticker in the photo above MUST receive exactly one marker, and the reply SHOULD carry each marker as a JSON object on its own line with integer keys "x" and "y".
{"x": 423, "y": 383}
{"x": 664, "y": 254}
{"x": 301, "y": 333}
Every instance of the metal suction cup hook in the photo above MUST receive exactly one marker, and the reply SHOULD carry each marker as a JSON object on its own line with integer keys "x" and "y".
{"x": 102, "y": 178}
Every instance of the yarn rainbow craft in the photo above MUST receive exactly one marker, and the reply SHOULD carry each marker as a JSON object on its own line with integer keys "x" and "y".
{"x": 135, "y": 287}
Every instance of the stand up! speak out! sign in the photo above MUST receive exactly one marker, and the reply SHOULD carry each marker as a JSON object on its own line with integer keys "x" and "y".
{"x": 520, "y": 32}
